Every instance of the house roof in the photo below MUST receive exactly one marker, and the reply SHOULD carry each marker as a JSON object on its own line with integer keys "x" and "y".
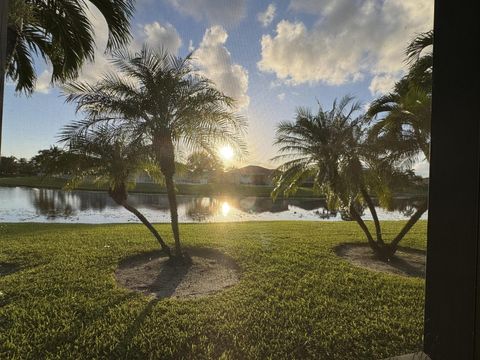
{"x": 252, "y": 170}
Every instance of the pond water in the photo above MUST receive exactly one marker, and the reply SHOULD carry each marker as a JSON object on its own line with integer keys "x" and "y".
{"x": 43, "y": 205}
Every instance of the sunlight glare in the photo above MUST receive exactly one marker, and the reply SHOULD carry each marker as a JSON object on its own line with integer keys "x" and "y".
{"x": 226, "y": 153}
{"x": 225, "y": 208}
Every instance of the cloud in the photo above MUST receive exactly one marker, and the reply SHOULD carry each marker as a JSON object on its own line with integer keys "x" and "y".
{"x": 281, "y": 96}
{"x": 266, "y": 17}
{"x": 214, "y": 12}
{"x": 91, "y": 71}
{"x": 383, "y": 83}
{"x": 422, "y": 168}
{"x": 350, "y": 40}
{"x": 154, "y": 34}
{"x": 157, "y": 35}
{"x": 215, "y": 62}
{"x": 43, "y": 84}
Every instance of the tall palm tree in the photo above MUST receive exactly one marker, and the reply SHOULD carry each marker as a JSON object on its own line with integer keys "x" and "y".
{"x": 60, "y": 32}
{"x": 163, "y": 100}
{"x": 331, "y": 147}
{"x": 110, "y": 157}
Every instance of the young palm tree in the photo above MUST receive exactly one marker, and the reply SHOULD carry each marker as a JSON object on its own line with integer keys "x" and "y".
{"x": 110, "y": 157}
{"x": 330, "y": 147}
{"x": 60, "y": 32}
{"x": 162, "y": 99}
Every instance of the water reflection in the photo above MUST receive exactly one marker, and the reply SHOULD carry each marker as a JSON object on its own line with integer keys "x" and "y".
{"x": 22, "y": 204}
{"x": 225, "y": 208}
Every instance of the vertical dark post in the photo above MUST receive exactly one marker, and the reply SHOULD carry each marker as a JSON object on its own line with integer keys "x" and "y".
{"x": 3, "y": 55}
{"x": 451, "y": 313}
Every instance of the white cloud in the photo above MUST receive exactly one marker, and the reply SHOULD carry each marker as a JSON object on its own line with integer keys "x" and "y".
{"x": 43, "y": 84}
{"x": 191, "y": 47}
{"x": 281, "y": 96}
{"x": 383, "y": 83}
{"x": 422, "y": 168}
{"x": 351, "y": 40}
{"x": 215, "y": 12}
{"x": 215, "y": 62}
{"x": 91, "y": 71}
{"x": 268, "y": 15}
{"x": 164, "y": 36}
{"x": 155, "y": 34}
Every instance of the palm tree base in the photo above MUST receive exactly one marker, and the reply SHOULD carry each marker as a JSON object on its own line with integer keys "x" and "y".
{"x": 182, "y": 259}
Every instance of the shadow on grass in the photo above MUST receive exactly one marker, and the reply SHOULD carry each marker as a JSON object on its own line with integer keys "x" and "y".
{"x": 122, "y": 349}
{"x": 8, "y": 268}
{"x": 152, "y": 274}
{"x": 406, "y": 262}
{"x": 162, "y": 285}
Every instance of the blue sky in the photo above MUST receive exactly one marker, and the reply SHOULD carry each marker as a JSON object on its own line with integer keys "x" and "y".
{"x": 271, "y": 56}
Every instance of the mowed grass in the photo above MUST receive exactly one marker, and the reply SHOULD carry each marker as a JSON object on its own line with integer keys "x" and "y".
{"x": 295, "y": 299}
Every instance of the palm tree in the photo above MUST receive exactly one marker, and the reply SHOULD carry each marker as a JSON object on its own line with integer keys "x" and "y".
{"x": 405, "y": 127}
{"x": 61, "y": 33}
{"x": 402, "y": 117}
{"x": 162, "y": 99}
{"x": 421, "y": 60}
{"x": 110, "y": 157}
{"x": 332, "y": 148}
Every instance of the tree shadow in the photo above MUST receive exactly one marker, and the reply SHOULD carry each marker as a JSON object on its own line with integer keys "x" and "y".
{"x": 121, "y": 350}
{"x": 8, "y": 268}
{"x": 139, "y": 273}
{"x": 406, "y": 262}
{"x": 153, "y": 274}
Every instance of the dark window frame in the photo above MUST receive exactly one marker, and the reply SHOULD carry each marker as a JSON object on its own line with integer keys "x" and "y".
{"x": 452, "y": 307}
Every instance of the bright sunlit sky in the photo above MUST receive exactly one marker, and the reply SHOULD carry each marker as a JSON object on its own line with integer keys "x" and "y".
{"x": 271, "y": 56}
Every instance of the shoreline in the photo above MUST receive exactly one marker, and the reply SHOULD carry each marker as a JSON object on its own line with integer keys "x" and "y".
{"x": 155, "y": 189}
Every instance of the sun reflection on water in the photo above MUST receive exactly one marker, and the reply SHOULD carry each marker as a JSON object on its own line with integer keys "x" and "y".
{"x": 225, "y": 208}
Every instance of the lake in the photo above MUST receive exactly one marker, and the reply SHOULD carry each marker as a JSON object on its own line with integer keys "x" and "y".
{"x": 43, "y": 205}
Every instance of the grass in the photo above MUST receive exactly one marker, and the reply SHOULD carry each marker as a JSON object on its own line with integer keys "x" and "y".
{"x": 183, "y": 189}
{"x": 296, "y": 299}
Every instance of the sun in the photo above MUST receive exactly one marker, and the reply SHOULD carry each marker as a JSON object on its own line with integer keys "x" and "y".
{"x": 226, "y": 153}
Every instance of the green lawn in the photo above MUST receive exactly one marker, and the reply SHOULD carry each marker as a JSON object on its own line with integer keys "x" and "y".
{"x": 296, "y": 299}
{"x": 183, "y": 189}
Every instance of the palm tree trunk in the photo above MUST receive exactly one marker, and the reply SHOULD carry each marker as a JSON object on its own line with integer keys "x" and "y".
{"x": 165, "y": 153}
{"x": 412, "y": 221}
{"x": 356, "y": 216}
{"x": 150, "y": 227}
{"x": 373, "y": 211}
{"x": 3, "y": 62}
{"x": 172, "y": 200}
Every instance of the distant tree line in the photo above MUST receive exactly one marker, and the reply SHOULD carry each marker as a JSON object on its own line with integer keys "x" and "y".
{"x": 48, "y": 161}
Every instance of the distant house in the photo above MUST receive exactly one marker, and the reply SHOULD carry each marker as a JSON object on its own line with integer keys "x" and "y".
{"x": 250, "y": 175}
{"x": 184, "y": 178}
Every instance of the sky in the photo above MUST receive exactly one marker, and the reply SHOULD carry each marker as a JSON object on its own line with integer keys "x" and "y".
{"x": 272, "y": 57}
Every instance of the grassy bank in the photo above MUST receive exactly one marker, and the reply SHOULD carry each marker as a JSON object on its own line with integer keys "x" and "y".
{"x": 183, "y": 189}
{"x": 296, "y": 299}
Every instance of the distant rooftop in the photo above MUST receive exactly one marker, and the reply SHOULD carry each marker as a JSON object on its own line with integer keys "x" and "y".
{"x": 252, "y": 170}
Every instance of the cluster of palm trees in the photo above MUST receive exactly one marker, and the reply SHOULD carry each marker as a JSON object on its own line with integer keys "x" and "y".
{"x": 353, "y": 156}
{"x": 135, "y": 118}
{"x": 139, "y": 116}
